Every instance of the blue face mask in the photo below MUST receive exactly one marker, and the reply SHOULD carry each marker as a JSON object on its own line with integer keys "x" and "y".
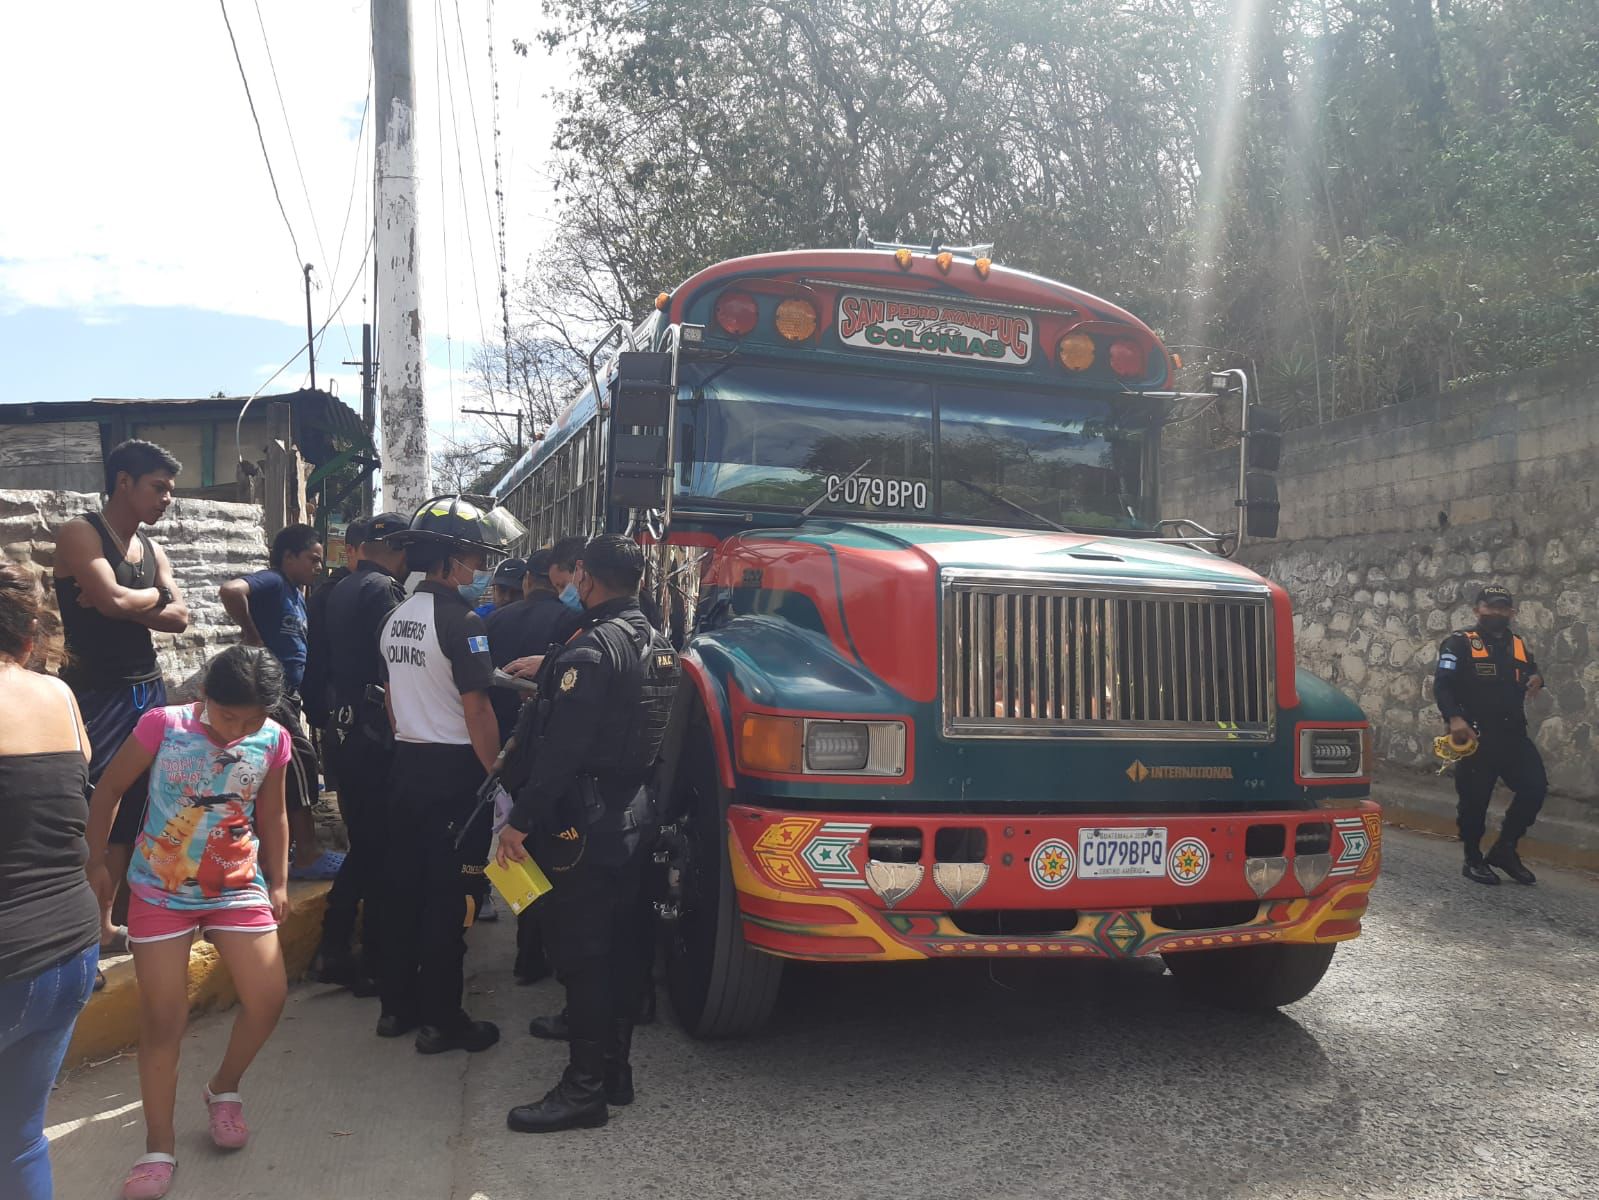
{"x": 473, "y": 592}
{"x": 569, "y": 597}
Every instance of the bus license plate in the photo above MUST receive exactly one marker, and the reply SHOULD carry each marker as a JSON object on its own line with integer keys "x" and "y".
{"x": 1121, "y": 853}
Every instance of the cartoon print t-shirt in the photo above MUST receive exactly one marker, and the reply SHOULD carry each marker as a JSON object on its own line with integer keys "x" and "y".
{"x": 198, "y": 846}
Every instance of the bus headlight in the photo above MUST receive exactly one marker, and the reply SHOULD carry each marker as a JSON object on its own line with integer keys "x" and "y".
{"x": 802, "y": 746}
{"x": 1333, "y": 753}
{"x": 854, "y": 748}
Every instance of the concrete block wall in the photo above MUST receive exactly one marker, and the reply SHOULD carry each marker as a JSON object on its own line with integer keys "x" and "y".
{"x": 207, "y": 541}
{"x": 1379, "y": 577}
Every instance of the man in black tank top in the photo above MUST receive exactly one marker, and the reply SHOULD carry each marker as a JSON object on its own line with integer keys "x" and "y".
{"x": 114, "y": 585}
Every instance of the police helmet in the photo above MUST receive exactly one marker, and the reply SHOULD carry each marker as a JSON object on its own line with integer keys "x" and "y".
{"x": 454, "y": 522}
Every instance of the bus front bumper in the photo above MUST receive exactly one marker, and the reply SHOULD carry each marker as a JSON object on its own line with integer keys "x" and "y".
{"x": 825, "y": 887}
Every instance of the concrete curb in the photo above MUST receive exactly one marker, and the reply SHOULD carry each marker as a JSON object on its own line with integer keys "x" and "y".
{"x": 1566, "y": 835}
{"x": 109, "y": 1023}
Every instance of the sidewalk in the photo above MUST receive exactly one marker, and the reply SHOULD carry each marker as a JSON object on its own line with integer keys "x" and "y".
{"x": 1566, "y": 835}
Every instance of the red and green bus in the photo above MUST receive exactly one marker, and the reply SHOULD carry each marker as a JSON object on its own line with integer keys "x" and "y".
{"x": 957, "y": 689}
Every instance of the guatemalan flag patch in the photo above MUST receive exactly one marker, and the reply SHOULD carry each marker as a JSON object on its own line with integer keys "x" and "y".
{"x": 478, "y": 645}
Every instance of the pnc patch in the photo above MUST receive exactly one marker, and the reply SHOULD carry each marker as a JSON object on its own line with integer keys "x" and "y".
{"x": 569, "y": 680}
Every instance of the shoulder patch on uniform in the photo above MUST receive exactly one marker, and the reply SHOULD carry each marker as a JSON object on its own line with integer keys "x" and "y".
{"x": 478, "y": 645}
{"x": 1447, "y": 662}
{"x": 569, "y": 679}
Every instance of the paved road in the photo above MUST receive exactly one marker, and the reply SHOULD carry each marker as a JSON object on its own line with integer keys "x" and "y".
{"x": 1452, "y": 1052}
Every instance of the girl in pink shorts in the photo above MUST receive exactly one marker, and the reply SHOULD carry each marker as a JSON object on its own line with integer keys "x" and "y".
{"x": 216, "y": 778}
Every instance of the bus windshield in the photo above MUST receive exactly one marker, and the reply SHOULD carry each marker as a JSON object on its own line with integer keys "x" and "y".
{"x": 777, "y": 437}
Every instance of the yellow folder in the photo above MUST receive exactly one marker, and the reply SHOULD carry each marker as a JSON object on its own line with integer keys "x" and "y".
{"x": 520, "y": 883}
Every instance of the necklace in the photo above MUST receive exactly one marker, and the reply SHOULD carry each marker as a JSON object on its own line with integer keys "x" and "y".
{"x": 122, "y": 543}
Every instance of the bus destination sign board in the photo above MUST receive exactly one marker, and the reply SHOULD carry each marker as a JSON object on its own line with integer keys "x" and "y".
{"x": 935, "y": 328}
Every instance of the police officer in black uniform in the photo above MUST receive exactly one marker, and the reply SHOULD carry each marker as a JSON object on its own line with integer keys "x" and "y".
{"x": 527, "y": 629}
{"x": 436, "y": 657}
{"x": 361, "y": 748}
{"x": 1484, "y": 677}
{"x": 596, "y": 732}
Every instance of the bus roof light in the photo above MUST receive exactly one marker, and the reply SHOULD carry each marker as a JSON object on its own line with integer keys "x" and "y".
{"x": 944, "y": 259}
{"x": 736, "y": 313}
{"x": 982, "y": 266}
{"x": 903, "y": 257}
{"x": 1075, "y": 351}
{"x": 1127, "y": 358}
{"x": 662, "y": 301}
{"x": 796, "y": 320}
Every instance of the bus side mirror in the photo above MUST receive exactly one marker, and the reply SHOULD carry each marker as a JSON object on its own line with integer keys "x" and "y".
{"x": 1260, "y": 504}
{"x": 640, "y": 424}
{"x": 1264, "y": 441}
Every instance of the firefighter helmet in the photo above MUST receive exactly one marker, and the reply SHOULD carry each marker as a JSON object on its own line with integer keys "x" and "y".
{"x": 456, "y": 522}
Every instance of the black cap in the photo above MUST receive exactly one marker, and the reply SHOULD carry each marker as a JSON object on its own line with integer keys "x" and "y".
{"x": 509, "y": 573}
{"x": 1496, "y": 595}
{"x": 356, "y": 531}
{"x": 384, "y": 524}
{"x": 538, "y": 563}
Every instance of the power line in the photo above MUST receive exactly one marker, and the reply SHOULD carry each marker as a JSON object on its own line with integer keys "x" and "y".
{"x": 460, "y": 171}
{"x": 289, "y": 129}
{"x": 499, "y": 199}
{"x": 260, "y": 137}
{"x": 471, "y": 103}
{"x": 349, "y": 205}
{"x": 238, "y": 426}
{"x": 444, "y": 231}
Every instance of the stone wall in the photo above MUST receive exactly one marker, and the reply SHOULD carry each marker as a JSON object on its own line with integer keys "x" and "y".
{"x": 208, "y": 542}
{"x": 1391, "y": 522}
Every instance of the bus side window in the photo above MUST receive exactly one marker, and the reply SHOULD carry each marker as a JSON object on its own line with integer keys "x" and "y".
{"x": 686, "y": 469}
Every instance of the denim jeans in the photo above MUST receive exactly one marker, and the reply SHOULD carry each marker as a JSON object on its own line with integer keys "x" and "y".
{"x": 37, "y": 1013}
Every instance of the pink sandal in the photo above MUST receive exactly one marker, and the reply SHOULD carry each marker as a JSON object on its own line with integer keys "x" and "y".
{"x": 228, "y": 1129}
{"x": 150, "y": 1178}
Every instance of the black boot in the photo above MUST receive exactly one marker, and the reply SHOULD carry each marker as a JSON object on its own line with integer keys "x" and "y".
{"x": 1504, "y": 856}
{"x": 1479, "y": 872}
{"x": 465, "y": 1034}
{"x": 552, "y": 1028}
{"x": 577, "y": 1102}
{"x": 342, "y": 970}
{"x": 618, "y": 1070}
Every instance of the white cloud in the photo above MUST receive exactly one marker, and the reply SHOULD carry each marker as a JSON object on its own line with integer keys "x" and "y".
{"x": 135, "y": 177}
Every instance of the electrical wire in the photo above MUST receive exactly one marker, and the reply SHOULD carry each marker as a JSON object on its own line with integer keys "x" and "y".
{"x": 294, "y": 149}
{"x": 238, "y": 425}
{"x": 349, "y": 205}
{"x": 499, "y": 200}
{"x": 444, "y": 232}
{"x": 471, "y": 103}
{"x": 460, "y": 171}
{"x": 261, "y": 138}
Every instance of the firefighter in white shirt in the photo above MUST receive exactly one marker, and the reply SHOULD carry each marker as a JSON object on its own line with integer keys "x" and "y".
{"x": 436, "y": 658}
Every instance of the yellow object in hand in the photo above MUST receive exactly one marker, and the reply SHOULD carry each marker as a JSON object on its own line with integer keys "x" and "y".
{"x": 520, "y": 883}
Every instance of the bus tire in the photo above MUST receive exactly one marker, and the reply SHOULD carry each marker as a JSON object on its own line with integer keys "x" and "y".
{"x": 1251, "y": 978}
{"x": 721, "y": 987}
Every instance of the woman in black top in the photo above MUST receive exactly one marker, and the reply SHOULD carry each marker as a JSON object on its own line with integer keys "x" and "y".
{"x": 49, "y": 918}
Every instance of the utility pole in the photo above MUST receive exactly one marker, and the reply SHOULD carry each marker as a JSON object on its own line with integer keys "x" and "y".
{"x": 310, "y": 340}
{"x": 368, "y": 409}
{"x": 404, "y": 413}
{"x": 489, "y": 412}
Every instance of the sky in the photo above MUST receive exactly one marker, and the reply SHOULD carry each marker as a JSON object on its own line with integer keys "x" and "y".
{"x": 141, "y": 250}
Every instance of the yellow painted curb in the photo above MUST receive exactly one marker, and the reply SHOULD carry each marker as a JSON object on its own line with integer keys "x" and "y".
{"x": 109, "y": 1023}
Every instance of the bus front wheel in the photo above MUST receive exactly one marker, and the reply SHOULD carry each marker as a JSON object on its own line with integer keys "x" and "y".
{"x": 1251, "y": 978}
{"x": 720, "y": 986}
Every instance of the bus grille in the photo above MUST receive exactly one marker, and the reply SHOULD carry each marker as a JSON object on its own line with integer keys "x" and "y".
{"x": 1025, "y": 657}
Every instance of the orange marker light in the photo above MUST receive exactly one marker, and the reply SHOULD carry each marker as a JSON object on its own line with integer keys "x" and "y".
{"x": 1177, "y": 361}
{"x": 662, "y": 301}
{"x": 944, "y": 260}
{"x": 903, "y": 257}
{"x": 1076, "y": 352}
{"x": 774, "y": 744}
{"x": 981, "y": 266}
{"x": 796, "y": 320}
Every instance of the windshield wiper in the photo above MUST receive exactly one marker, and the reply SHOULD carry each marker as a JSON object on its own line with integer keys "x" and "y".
{"x": 1011, "y": 504}
{"x": 817, "y": 503}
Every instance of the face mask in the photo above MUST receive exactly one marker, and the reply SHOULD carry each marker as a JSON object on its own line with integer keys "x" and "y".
{"x": 569, "y": 597}
{"x": 473, "y": 592}
{"x": 1493, "y": 624}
